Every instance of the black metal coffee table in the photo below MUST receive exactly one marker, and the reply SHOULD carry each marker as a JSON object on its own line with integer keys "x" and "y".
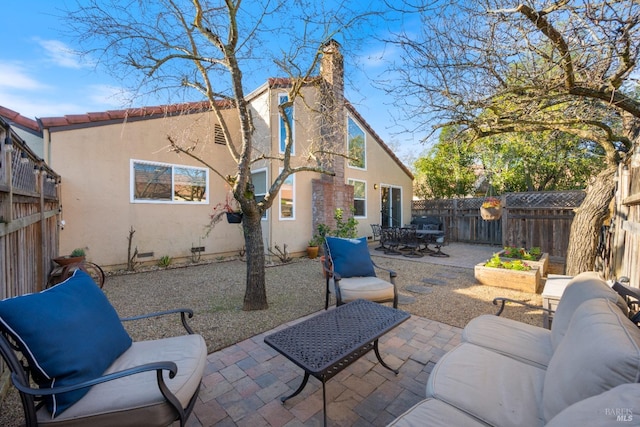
{"x": 327, "y": 343}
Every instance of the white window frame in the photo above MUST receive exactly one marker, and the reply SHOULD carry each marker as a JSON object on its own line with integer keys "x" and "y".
{"x": 284, "y": 97}
{"x": 266, "y": 184}
{"x": 364, "y": 141}
{"x": 293, "y": 199}
{"x": 132, "y": 183}
{"x": 351, "y": 181}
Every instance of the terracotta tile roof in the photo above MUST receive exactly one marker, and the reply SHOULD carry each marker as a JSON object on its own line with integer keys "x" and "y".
{"x": 19, "y": 119}
{"x": 130, "y": 113}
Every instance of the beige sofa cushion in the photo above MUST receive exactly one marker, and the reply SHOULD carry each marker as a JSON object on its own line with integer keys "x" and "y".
{"x": 435, "y": 413}
{"x": 370, "y": 288}
{"x": 619, "y": 406}
{"x": 136, "y": 399}
{"x": 583, "y": 287}
{"x": 497, "y": 389}
{"x": 600, "y": 350}
{"x": 524, "y": 342}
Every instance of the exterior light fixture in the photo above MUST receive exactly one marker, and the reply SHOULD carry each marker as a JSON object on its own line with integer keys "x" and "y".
{"x": 8, "y": 143}
{"x": 375, "y": 186}
{"x": 24, "y": 159}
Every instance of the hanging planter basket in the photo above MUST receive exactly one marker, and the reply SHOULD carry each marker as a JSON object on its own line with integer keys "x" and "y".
{"x": 234, "y": 217}
{"x": 491, "y": 214}
{"x": 491, "y": 209}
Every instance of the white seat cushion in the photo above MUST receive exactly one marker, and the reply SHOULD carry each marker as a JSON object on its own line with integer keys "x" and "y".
{"x": 524, "y": 342}
{"x": 581, "y": 288}
{"x": 619, "y": 406}
{"x": 435, "y": 413}
{"x": 497, "y": 389}
{"x": 136, "y": 400}
{"x": 599, "y": 351}
{"x": 369, "y": 288}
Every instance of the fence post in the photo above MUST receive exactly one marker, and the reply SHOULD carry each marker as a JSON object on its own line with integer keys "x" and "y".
{"x": 504, "y": 219}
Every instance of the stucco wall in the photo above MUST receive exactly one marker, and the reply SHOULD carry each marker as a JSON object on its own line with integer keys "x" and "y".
{"x": 94, "y": 163}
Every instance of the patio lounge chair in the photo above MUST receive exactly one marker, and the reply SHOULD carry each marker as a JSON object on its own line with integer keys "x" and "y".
{"x": 70, "y": 343}
{"x": 349, "y": 268}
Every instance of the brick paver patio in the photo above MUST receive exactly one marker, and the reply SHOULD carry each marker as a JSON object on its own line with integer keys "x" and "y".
{"x": 243, "y": 383}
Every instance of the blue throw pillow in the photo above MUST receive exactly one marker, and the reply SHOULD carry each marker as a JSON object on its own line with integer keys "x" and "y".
{"x": 350, "y": 257}
{"x": 71, "y": 334}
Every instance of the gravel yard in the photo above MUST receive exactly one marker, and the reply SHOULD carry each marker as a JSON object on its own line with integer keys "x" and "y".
{"x": 215, "y": 293}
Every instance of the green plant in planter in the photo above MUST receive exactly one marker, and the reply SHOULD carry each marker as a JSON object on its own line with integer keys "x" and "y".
{"x": 516, "y": 264}
{"x": 532, "y": 254}
{"x": 78, "y": 252}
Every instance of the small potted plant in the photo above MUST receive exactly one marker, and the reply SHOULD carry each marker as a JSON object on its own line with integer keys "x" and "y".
{"x": 314, "y": 246}
{"x": 76, "y": 256}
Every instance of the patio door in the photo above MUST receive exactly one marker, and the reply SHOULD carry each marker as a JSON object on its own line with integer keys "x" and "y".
{"x": 391, "y": 206}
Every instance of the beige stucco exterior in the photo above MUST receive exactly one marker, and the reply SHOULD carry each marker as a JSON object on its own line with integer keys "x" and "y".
{"x": 94, "y": 155}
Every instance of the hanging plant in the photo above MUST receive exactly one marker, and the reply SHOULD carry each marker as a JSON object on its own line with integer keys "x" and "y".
{"x": 491, "y": 208}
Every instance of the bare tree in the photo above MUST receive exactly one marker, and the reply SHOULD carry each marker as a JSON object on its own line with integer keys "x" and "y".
{"x": 491, "y": 68}
{"x": 206, "y": 46}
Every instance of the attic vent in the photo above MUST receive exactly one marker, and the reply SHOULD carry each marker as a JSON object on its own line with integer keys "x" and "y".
{"x": 218, "y": 136}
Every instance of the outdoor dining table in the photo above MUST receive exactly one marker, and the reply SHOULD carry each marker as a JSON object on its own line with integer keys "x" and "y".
{"x": 325, "y": 344}
{"x": 430, "y": 236}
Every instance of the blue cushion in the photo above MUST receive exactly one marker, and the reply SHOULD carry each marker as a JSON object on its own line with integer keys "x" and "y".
{"x": 350, "y": 257}
{"x": 71, "y": 334}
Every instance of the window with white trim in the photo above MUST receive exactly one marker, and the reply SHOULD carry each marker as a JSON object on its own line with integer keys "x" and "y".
{"x": 287, "y": 198}
{"x": 359, "y": 197}
{"x": 282, "y": 98}
{"x": 153, "y": 182}
{"x": 356, "y": 147}
{"x": 259, "y": 180}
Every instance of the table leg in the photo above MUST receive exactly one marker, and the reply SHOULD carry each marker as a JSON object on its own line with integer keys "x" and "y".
{"x": 375, "y": 348}
{"x": 295, "y": 393}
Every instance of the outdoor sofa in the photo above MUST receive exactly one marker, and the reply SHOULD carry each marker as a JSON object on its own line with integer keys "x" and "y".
{"x": 584, "y": 371}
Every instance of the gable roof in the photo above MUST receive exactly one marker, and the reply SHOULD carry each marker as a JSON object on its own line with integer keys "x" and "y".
{"x": 73, "y": 121}
{"x": 377, "y": 137}
{"x": 17, "y": 119}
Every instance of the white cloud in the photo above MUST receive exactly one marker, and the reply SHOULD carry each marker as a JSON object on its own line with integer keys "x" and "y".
{"x": 33, "y": 107}
{"x": 62, "y": 55}
{"x": 14, "y": 76}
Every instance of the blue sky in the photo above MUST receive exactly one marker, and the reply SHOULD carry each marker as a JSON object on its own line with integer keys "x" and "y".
{"x": 41, "y": 77}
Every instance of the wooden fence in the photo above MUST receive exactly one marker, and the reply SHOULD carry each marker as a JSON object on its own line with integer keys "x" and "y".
{"x": 29, "y": 207}
{"x": 531, "y": 219}
{"x": 620, "y": 255}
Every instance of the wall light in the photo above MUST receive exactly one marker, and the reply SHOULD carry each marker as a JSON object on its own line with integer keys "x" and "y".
{"x": 375, "y": 186}
{"x": 8, "y": 143}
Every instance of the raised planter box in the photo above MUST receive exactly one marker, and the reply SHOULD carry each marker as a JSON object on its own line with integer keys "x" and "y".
{"x": 542, "y": 264}
{"x": 524, "y": 281}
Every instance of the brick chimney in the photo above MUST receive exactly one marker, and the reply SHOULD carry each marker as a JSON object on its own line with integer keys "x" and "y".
{"x": 331, "y": 192}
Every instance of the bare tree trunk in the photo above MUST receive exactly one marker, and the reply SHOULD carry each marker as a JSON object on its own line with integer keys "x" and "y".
{"x": 586, "y": 225}
{"x": 255, "y": 296}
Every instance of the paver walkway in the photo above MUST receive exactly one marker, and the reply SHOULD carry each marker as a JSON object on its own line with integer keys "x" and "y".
{"x": 243, "y": 383}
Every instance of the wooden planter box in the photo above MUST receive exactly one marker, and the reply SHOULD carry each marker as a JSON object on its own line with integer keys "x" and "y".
{"x": 542, "y": 264}
{"x": 524, "y": 281}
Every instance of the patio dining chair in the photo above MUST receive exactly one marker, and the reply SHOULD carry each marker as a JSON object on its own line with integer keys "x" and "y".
{"x": 74, "y": 364}
{"x": 350, "y": 273}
